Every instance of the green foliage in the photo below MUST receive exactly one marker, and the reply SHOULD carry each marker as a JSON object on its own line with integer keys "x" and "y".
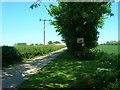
{"x": 67, "y": 72}
{"x": 12, "y": 55}
{"x": 109, "y": 48}
{"x": 79, "y": 20}
{"x": 36, "y": 44}
{"x": 115, "y": 85}
{"x": 35, "y": 5}
{"x": 50, "y": 43}
{"x": 32, "y": 44}
{"x": 57, "y": 42}
{"x": 20, "y": 44}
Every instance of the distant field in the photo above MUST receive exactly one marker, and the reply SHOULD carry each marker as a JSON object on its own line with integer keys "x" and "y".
{"x": 108, "y": 48}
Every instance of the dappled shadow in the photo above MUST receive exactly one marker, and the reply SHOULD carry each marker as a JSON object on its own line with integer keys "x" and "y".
{"x": 65, "y": 72}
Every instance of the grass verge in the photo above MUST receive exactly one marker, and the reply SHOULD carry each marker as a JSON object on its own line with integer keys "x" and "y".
{"x": 67, "y": 72}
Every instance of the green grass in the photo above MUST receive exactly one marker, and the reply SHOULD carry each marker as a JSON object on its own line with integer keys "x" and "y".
{"x": 67, "y": 72}
{"x": 109, "y": 48}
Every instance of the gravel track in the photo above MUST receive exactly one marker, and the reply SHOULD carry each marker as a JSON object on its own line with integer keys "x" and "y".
{"x": 15, "y": 75}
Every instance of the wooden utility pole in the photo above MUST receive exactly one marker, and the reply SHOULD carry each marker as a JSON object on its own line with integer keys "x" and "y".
{"x": 44, "y": 29}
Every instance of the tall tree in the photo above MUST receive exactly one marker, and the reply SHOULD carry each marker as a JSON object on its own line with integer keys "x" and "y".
{"x": 50, "y": 42}
{"x": 57, "y": 42}
{"x": 31, "y": 44}
{"x": 79, "y": 20}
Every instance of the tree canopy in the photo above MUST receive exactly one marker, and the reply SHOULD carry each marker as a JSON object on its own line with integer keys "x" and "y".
{"x": 57, "y": 42}
{"x": 74, "y": 20}
{"x": 79, "y": 20}
{"x": 51, "y": 42}
{"x": 20, "y": 44}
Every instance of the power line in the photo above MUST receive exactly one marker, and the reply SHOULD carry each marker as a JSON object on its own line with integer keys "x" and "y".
{"x": 44, "y": 29}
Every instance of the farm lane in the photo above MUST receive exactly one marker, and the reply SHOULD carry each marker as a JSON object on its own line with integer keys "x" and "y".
{"x": 15, "y": 75}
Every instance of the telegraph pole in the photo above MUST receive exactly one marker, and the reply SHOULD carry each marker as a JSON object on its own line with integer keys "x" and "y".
{"x": 44, "y": 29}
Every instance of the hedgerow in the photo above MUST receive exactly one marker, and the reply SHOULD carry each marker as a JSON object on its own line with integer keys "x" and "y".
{"x": 12, "y": 55}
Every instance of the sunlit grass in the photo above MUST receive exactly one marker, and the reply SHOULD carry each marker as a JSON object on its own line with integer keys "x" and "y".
{"x": 109, "y": 48}
{"x": 67, "y": 72}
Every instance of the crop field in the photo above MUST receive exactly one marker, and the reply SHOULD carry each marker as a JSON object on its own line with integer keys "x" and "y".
{"x": 109, "y": 48}
{"x": 13, "y": 55}
{"x": 68, "y": 72}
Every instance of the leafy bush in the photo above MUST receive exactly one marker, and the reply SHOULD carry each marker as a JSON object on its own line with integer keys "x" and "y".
{"x": 12, "y": 55}
{"x": 85, "y": 55}
{"x": 114, "y": 86}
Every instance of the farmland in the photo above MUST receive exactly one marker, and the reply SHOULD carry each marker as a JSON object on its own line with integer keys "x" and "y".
{"x": 13, "y": 55}
{"x": 68, "y": 72}
{"x": 109, "y": 48}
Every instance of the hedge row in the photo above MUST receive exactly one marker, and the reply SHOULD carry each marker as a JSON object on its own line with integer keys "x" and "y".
{"x": 12, "y": 55}
{"x": 109, "y": 44}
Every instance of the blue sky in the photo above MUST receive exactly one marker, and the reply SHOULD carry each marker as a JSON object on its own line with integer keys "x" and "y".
{"x": 21, "y": 24}
{"x": 109, "y": 32}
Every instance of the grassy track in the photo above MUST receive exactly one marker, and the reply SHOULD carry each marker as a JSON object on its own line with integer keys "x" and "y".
{"x": 67, "y": 72}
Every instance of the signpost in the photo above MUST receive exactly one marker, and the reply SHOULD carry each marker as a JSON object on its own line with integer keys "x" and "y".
{"x": 81, "y": 40}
